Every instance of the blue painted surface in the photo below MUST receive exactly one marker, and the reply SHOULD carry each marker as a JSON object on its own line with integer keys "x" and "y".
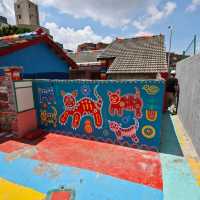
{"x": 179, "y": 183}
{"x": 169, "y": 142}
{"x": 48, "y": 98}
{"x": 87, "y": 184}
{"x": 35, "y": 59}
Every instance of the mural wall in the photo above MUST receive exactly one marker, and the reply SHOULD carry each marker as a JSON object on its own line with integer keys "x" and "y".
{"x": 120, "y": 112}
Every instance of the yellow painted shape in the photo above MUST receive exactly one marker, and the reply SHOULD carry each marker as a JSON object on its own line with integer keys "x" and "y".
{"x": 12, "y": 191}
{"x": 187, "y": 147}
{"x": 195, "y": 165}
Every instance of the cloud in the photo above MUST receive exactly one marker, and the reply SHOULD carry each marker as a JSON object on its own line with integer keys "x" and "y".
{"x": 43, "y": 16}
{"x": 7, "y": 10}
{"x": 193, "y": 6}
{"x": 143, "y": 33}
{"x": 154, "y": 15}
{"x": 112, "y": 13}
{"x": 71, "y": 37}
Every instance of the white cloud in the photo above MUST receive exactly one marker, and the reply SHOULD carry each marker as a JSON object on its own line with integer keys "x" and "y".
{"x": 71, "y": 37}
{"x": 7, "y": 10}
{"x": 193, "y": 6}
{"x": 43, "y": 16}
{"x": 143, "y": 33}
{"x": 154, "y": 15}
{"x": 113, "y": 13}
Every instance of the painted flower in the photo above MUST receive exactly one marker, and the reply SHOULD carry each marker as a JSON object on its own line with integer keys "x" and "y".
{"x": 85, "y": 90}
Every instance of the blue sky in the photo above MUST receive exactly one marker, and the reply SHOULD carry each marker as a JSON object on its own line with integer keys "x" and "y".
{"x": 77, "y": 21}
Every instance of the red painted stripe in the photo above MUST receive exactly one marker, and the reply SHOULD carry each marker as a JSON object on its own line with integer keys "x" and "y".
{"x": 60, "y": 196}
{"x": 17, "y": 46}
{"x": 125, "y": 163}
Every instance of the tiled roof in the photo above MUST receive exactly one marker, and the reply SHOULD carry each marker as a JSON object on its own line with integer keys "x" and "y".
{"x": 85, "y": 56}
{"x": 137, "y": 55}
{"x": 9, "y": 44}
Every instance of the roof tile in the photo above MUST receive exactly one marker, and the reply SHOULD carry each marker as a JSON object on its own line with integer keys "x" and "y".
{"x": 137, "y": 55}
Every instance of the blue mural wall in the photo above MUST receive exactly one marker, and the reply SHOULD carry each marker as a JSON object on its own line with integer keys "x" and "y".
{"x": 121, "y": 112}
{"x": 38, "y": 61}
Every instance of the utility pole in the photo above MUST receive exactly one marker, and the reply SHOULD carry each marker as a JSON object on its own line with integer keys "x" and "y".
{"x": 195, "y": 44}
{"x": 170, "y": 45}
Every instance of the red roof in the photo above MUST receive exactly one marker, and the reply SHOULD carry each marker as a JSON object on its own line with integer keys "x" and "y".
{"x": 9, "y": 44}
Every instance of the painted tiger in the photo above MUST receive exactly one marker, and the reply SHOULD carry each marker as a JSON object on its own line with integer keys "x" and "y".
{"x": 84, "y": 107}
{"x": 125, "y": 132}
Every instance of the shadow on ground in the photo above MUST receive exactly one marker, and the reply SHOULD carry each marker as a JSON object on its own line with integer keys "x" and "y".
{"x": 40, "y": 136}
{"x": 169, "y": 142}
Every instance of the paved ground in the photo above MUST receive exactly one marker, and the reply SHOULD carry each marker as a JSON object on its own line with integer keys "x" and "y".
{"x": 92, "y": 170}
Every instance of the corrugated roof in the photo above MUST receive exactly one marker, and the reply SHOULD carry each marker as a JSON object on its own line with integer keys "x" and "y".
{"x": 85, "y": 56}
{"x": 137, "y": 55}
{"x": 9, "y": 44}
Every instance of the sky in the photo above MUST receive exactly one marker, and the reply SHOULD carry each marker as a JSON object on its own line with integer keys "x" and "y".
{"x": 73, "y": 22}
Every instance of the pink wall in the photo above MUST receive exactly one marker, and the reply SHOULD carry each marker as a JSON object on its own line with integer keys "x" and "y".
{"x": 26, "y": 121}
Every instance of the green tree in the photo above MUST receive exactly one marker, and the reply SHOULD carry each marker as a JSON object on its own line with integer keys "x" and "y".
{"x": 11, "y": 30}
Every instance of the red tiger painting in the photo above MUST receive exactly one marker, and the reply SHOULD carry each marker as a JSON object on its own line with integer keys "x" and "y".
{"x": 84, "y": 107}
{"x": 125, "y": 132}
{"x": 118, "y": 103}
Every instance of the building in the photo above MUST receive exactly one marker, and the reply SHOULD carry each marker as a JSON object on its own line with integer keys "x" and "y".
{"x": 174, "y": 59}
{"x": 88, "y": 66}
{"x": 135, "y": 58}
{"x": 26, "y": 13}
{"x": 91, "y": 46}
{"x": 37, "y": 53}
{"x": 3, "y": 22}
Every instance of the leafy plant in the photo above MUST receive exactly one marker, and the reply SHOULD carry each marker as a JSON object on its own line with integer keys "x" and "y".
{"x": 11, "y": 30}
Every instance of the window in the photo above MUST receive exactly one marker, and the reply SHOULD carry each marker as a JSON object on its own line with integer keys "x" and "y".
{"x": 29, "y": 5}
{"x": 19, "y": 16}
{"x": 18, "y": 6}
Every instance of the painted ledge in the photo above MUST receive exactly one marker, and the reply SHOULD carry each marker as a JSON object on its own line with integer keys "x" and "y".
{"x": 187, "y": 147}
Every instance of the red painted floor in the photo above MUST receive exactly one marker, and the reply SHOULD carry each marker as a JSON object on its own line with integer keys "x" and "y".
{"x": 121, "y": 162}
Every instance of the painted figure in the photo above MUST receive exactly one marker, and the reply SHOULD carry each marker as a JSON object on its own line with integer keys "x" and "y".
{"x": 118, "y": 103}
{"x": 151, "y": 89}
{"x": 148, "y": 131}
{"x": 46, "y": 95}
{"x": 151, "y": 115}
{"x": 125, "y": 132}
{"x": 49, "y": 117}
{"x": 88, "y": 127}
{"x": 84, "y": 107}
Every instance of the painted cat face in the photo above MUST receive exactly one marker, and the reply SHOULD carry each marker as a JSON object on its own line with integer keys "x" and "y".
{"x": 69, "y": 100}
{"x": 114, "y": 97}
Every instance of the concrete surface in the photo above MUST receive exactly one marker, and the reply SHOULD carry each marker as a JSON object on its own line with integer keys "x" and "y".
{"x": 188, "y": 74}
{"x": 93, "y": 170}
{"x": 169, "y": 142}
{"x": 187, "y": 147}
